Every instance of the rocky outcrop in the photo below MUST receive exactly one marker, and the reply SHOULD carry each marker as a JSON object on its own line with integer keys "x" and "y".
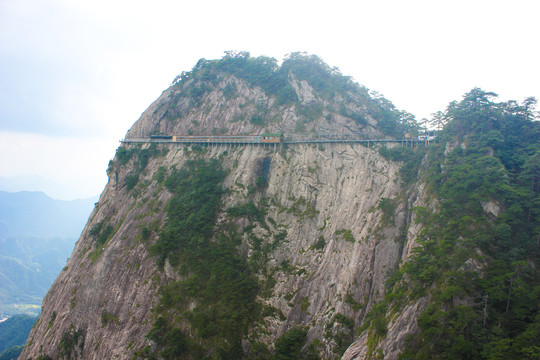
{"x": 404, "y": 322}
{"x": 339, "y": 244}
{"x": 250, "y": 111}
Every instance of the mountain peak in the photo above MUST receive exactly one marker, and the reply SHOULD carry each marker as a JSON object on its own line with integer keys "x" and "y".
{"x": 244, "y": 95}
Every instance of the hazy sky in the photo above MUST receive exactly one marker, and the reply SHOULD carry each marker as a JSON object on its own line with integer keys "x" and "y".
{"x": 75, "y": 75}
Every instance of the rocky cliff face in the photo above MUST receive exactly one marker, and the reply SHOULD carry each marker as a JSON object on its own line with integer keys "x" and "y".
{"x": 250, "y": 111}
{"x": 329, "y": 242}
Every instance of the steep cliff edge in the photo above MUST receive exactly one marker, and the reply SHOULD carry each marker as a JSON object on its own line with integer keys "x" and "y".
{"x": 468, "y": 287}
{"x": 253, "y": 251}
{"x": 319, "y": 245}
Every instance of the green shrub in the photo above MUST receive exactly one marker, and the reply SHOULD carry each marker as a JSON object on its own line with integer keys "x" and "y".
{"x": 319, "y": 244}
{"x": 289, "y": 345}
{"x": 304, "y": 304}
{"x": 42, "y": 357}
{"x": 388, "y": 208}
{"x": 346, "y": 235}
{"x": 159, "y": 176}
{"x": 302, "y": 208}
{"x": 101, "y": 233}
{"x": 131, "y": 181}
{"x": 345, "y": 321}
{"x": 123, "y": 154}
{"x": 230, "y": 91}
{"x": 355, "y": 305}
{"x": 69, "y": 343}
{"x": 257, "y": 119}
{"x": 217, "y": 278}
{"x": 105, "y": 234}
{"x": 108, "y": 318}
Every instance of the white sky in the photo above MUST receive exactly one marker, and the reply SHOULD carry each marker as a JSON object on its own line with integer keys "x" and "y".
{"x": 75, "y": 75}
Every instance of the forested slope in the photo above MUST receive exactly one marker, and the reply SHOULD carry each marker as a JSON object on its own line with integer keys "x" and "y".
{"x": 476, "y": 267}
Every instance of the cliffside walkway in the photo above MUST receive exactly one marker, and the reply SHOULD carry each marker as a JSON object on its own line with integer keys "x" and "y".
{"x": 293, "y": 139}
{"x": 340, "y": 138}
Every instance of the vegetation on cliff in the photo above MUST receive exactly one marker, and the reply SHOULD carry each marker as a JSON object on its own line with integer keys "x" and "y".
{"x": 275, "y": 80}
{"x": 214, "y": 276}
{"x": 288, "y": 258}
{"x": 478, "y": 260}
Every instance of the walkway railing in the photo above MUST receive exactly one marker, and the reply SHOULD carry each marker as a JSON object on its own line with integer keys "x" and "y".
{"x": 340, "y": 138}
{"x": 255, "y": 140}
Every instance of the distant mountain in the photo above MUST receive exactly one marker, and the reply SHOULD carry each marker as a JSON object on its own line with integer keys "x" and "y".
{"x": 27, "y": 183}
{"x": 28, "y": 267}
{"x": 37, "y": 235}
{"x": 57, "y": 190}
{"x": 35, "y": 214}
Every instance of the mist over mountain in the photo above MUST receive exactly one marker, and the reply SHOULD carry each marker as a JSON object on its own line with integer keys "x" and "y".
{"x": 35, "y": 183}
{"x": 37, "y": 235}
{"x": 32, "y": 213}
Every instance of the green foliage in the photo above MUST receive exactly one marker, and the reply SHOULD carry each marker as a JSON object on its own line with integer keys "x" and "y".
{"x": 346, "y": 235}
{"x": 12, "y": 353}
{"x": 141, "y": 158}
{"x": 14, "y": 331}
{"x": 302, "y": 208}
{"x": 319, "y": 244}
{"x": 286, "y": 95}
{"x": 391, "y": 121}
{"x": 488, "y": 154}
{"x": 123, "y": 154}
{"x": 146, "y": 233}
{"x": 192, "y": 210}
{"x": 51, "y": 321}
{"x": 343, "y": 335}
{"x": 388, "y": 208}
{"x": 473, "y": 177}
{"x": 350, "y": 300}
{"x": 257, "y": 119}
{"x": 159, "y": 176}
{"x": 265, "y": 73}
{"x": 410, "y": 157}
{"x": 325, "y": 80}
{"x": 108, "y": 318}
{"x": 230, "y": 91}
{"x": 217, "y": 279}
{"x": 358, "y": 117}
{"x": 173, "y": 341}
{"x": 131, "y": 181}
{"x": 250, "y": 211}
{"x": 345, "y": 321}
{"x": 311, "y": 111}
{"x": 304, "y": 304}
{"x": 259, "y": 351}
{"x": 289, "y": 345}
{"x": 101, "y": 232}
{"x": 44, "y": 357}
{"x": 70, "y": 342}
{"x": 300, "y": 127}
{"x": 379, "y": 322}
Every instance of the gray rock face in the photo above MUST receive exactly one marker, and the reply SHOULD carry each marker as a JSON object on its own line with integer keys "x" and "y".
{"x": 405, "y": 322}
{"x": 217, "y": 114}
{"x": 103, "y": 300}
